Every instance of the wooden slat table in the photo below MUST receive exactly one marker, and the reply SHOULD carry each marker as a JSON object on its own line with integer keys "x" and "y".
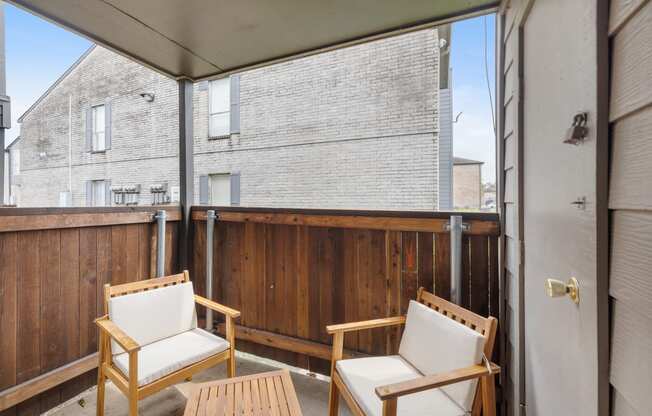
{"x": 259, "y": 394}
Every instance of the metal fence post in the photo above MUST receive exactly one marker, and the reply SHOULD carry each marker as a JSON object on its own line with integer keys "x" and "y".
{"x": 210, "y": 226}
{"x": 161, "y": 217}
{"x": 456, "y": 226}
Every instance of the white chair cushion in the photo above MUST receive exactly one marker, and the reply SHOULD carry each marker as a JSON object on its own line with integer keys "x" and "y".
{"x": 154, "y": 314}
{"x": 363, "y": 375}
{"x": 168, "y": 355}
{"x": 434, "y": 343}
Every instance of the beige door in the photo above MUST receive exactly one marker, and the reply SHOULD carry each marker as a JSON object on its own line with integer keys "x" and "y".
{"x": 559, "y": 80}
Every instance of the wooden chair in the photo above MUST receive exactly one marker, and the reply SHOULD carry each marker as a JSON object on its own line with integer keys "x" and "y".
{"x": 442, "y": 355}
{"x": 149, "y": 340}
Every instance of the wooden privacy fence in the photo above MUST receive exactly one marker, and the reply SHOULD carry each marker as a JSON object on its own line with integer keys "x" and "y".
{"x": 53, "y": 264}
{"x": 292, "y": 272}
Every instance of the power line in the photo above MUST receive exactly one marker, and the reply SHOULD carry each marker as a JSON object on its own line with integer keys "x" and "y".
{"x": 486, "y": 73}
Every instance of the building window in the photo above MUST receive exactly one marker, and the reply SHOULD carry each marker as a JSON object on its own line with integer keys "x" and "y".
{"x": 220, "y": 189}
{"x": 98, "y": 128}
{"x": 219, "y": 105}
{"x": 97, "y": 193}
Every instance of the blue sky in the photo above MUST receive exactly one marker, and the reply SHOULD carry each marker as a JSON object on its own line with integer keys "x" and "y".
{"x": 473, "y": 133}
{"x": 38, "y": 52}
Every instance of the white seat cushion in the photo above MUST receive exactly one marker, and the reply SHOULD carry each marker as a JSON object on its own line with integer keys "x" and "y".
{"x": 434, "y": 343}
{"x": 363, "y": 375}
{"x": 168, "y": 355}
{"x": 154, "y": 314}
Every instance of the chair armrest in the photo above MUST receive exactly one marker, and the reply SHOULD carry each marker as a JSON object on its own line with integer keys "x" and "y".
{"x": 232, "y": 313}
{"x": 373, "y": 323}
{"x": 416, "y": 385}
{"x": 125, "y": 341}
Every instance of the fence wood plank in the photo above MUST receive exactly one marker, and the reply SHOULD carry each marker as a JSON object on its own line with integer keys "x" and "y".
{"x": 8, "y": 308}
{"x": 410, "y": 269}
{"x": 104, "y": 272}
{"x": 426, "y": 261}
{"x": 442, "y": 265}
{"x": 87, "y": 290}
{"x": 494, "y": 282}
{"x": 70, "y": 291}
{"x": 28, "y": 363}
{"x": 52, "y": 335}
{"x": 479, "y": 265}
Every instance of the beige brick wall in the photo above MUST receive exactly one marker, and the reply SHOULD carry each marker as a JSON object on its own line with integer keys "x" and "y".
{"x": 351, "y": 128}
{"x": 467, "y": 186}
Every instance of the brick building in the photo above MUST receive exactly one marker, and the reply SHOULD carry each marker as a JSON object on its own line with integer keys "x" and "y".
{"x": 467, "y": 176}
{"x": 352, "y": 128}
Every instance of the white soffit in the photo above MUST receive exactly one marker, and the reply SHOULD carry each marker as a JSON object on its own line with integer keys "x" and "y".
{"x": 199, "y": 39}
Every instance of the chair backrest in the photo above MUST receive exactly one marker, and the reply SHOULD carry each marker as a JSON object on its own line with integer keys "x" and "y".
{"x": 151, "y": 310}
{"x": 440, "y": 336}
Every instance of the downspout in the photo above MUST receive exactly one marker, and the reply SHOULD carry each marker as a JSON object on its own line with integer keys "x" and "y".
{"x": 70, "y": 148}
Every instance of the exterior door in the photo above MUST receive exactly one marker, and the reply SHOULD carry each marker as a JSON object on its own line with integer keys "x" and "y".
{"x": 559, "y": 79}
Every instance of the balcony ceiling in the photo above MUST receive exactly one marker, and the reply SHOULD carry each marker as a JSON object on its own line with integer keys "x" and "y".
{"x": 199, "y": 39}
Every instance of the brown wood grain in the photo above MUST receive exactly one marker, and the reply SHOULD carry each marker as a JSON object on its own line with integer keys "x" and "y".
{"x": 412, "y": 222}
{"x": 51, "y": 286}
{"x": 52, "y": 335}
{"x": 294, "y": 280}
{"x": 29, "y": 299}
{"x": 442, "y": 265}
{"x": 8, "y": 308}
{"x": 87, "y": 290}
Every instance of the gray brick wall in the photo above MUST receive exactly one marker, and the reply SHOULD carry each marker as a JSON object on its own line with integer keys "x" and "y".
{"x": 352, "y": 128}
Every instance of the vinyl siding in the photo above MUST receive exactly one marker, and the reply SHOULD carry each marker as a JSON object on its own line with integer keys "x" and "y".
{"x": 630, "y": 202}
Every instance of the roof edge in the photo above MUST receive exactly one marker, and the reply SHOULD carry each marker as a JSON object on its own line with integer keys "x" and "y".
{"x": 57, "y": 82}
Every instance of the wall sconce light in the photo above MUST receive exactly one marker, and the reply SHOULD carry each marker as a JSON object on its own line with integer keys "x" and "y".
{"x": 148, "y": 96}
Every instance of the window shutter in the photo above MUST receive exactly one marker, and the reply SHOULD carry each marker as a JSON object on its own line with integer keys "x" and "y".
{"x": 107, "y": 190}
{"x": 235, "y": 189}
{"x": 107, "y": 124}
{"x": 89, "y": 193}
{"x": 235, "y": 104}
{"x": 203, "y": 189}
{"x": 89, "y": 129}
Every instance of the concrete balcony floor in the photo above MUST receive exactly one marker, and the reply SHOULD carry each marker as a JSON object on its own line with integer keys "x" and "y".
{"x": 312, "y": 393}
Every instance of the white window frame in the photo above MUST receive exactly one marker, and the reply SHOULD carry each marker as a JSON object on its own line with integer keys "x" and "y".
{"x": 212, "y": 88}
{"x": 227, "y": 178}
{"x": 104, "y": 184}
{"x": 97, "y": 144}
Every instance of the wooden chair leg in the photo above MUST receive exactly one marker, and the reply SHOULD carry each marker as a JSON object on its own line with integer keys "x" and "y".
{"x": 230, "y": 366}
{"x": 334, "y": 396}
{"x": 101, "y": 382}
{"x": 133, "y": 383}
{"x": 333, "y": 399}
{"x": 488, "y": 396}
{"x": 389, "y": 407}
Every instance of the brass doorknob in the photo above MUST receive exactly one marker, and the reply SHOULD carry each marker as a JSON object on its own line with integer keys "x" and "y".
{"x": 556, "y": 288}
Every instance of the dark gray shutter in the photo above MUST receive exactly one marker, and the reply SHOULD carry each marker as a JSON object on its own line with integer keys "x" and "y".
{"x": 203, "y": 189}
{"x": 89, "y": 193}
{"x": 235, "y": 104}
{"x": 107, "y": 190}
{"x": 235, "y": 189}
{"x": 89, "y": 129}
{"x": 107, "y": 124}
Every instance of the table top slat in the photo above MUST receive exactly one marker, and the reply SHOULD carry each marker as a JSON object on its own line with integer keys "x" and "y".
{"x": 255, "y": 399}
{"x": 266, "y": 394}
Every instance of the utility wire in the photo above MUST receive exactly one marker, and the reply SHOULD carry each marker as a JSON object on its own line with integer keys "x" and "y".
{"x": 486, "y": 73}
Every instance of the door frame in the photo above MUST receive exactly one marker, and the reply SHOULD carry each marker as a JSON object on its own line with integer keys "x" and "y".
{"x": 603, "y": 133}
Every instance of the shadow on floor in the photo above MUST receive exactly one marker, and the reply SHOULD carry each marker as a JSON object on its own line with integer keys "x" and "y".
{"x": 312, "y": 392}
